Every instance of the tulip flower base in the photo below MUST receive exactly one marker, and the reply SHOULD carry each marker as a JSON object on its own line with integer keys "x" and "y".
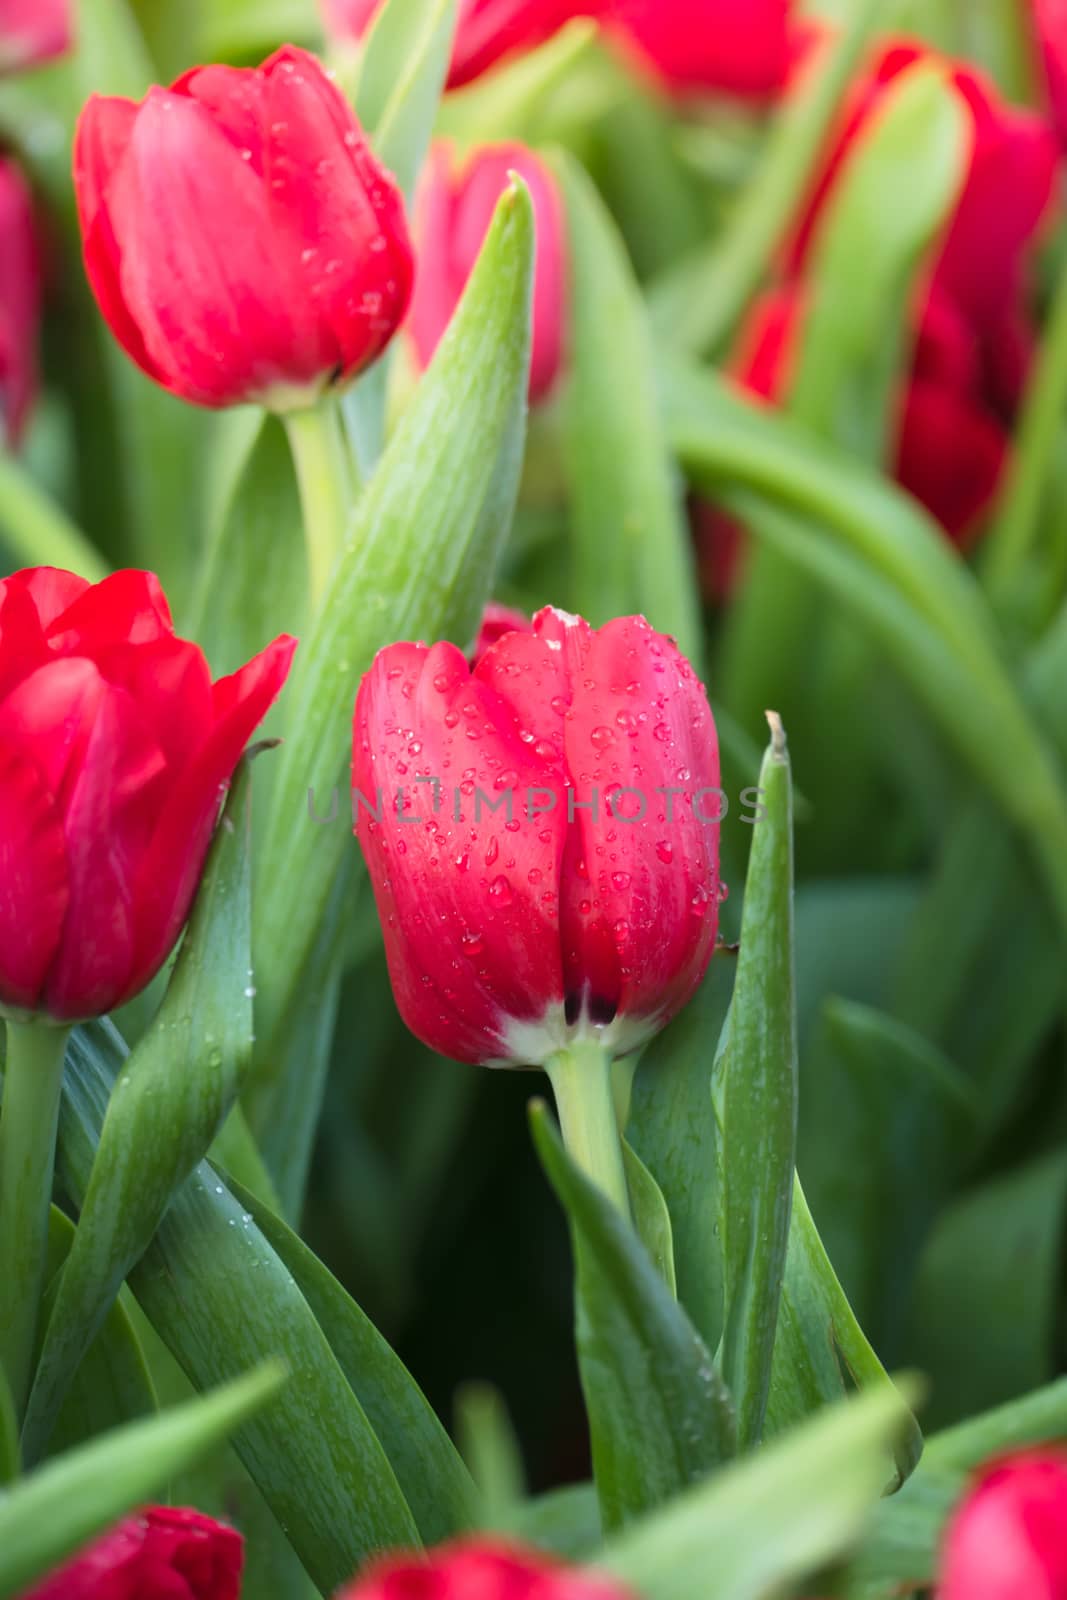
{"x": 513, "y": 399}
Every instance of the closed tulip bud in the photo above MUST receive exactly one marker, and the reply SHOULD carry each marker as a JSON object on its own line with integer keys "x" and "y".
{"x": 32, "y": 31}
{"x": 455, "y": 207}
{"x": 241, "y": 239}
{"x": 482, "y": 1568}
{"x": 20, "y": 296}
{"x": 115, "y": 747}
{"x": 544, "y": 850}
{"x": 1006, "y": 1541}
{"x": 161, "y": 1554}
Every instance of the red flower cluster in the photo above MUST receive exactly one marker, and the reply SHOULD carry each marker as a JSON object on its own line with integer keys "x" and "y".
{"x": 32, "y": 31}
{"x": 481, "y": 1570}
{"x": 111, "y": 733}
{"x": 455, "y": 208}
{"x": 544, "y": 850}
{"x": 972, "y": 334}
{"x": 20, "y": 295}
{"x": 736, "y": 47}
{"x": 159, "y": 1555}
{"x": 241, "y": 239}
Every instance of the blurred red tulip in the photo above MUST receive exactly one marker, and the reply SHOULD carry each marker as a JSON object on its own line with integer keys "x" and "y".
{"x": 738, "y": 47}
{"x": 481, "y": 1569}
{"x": 1008, "y": 1540}
{"x": 20, "y": 297}
{"x": 161, "y": 1554}
{"x": 545, "y": 851}
{"x": 487, "y": 31}
{"x": 32, "y": 31}
{"x": 454, "y": 209}
{"x": 241, "y": 238}
{"x": 1050, "y": 21}
{"x": 114, "y": 749}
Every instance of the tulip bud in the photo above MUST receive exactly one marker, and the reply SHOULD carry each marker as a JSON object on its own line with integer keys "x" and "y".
{"x": 161, "y": 1554}
{"x": 455, "y": 207}
{"x": 32, "y": 31}
{"x": 484, "y": 1568}
{"x": 19, "y": 302}
{"x": 1006, "y": 1541}
{"x": 114, "y": 749}
{"x": 544, "y": 848}
{"x": 241, "y": 239}
{"x": 738, "y": 47}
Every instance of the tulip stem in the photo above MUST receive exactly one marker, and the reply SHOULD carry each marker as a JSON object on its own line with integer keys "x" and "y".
{"x": 326, "y": 476}
{"x": 585, "y": 1100}
{"x": 33, "y": 1077}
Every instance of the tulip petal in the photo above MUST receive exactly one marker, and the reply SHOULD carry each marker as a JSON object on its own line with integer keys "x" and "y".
{"x": 471, "y": 919}
{"x": 29, "y": 601}
{"x": 129, "y": 607}
{"x": 212, "y": 287}
{"x": 111, "y": 801}
{"x": 20, "y": 296}
{"x": 101, "y": 141}
{"x": 34, "y": 892}
{"x": 641, "y": 723}
{"x": 344, "y": 216}
{"x": 168, "y": 873}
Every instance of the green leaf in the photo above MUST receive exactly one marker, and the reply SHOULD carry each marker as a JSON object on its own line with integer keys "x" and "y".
{"x": 243, "y": 602}
{"x": 887, "y": 209}
{"x": 659, "y": 1415}
{"x": 672, "y": 1128}
{"x": 754, "y": 1092}
{"x": 630, "y": 540}
{"x": 402, "y": 75}
{"x": 38, "y": 532}
{"x": 10, "y": 1454}
{"x": 651, "y": 1217}
{"x": 418, "y": 564}
{"x": 112, "y": 1384}
{"x": 428, "y": 1468}
{"x": 50, "y": 1514}
{"x": 889, "y": 1121}
{"x": 769, "y": 1521}
{"x": 698, "y": 303}
{"x": 565, "y": 1522}
{"x": 221, "y": 1299}
{"x": 993, "y": 1263}
{"x": 490, "y": 1447}
{"x": 821, "y": 1350}
{"x": 169, "y": 1102}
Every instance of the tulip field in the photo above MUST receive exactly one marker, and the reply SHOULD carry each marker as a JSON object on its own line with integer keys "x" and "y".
{"x": 533, "y": 799}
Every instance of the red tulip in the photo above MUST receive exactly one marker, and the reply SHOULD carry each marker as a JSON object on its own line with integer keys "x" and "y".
{"x": 455, "y": 208}
{"x": 739, "y": 47}
{"x": 487, "y": 31}
{"x": 20, "y": 295}
{"x": 1007, "y": 1540}
{"x": 162, "y": 1554}
{"x": 481, "y": 1569}
{"x": 1050, "y": 24}
{"x": 241, "y": 238}
{"x": 1006, "y": 193}
{"x": 32, "y": 31}
{"x": 114, "y": 747}
{"x": 532, "y": 872}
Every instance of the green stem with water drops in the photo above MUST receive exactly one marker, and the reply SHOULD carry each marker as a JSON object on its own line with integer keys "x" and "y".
{"x": 33, "y": 1077}
{"x": 585, "y": 1100}
{"x": 327, "y": 478}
